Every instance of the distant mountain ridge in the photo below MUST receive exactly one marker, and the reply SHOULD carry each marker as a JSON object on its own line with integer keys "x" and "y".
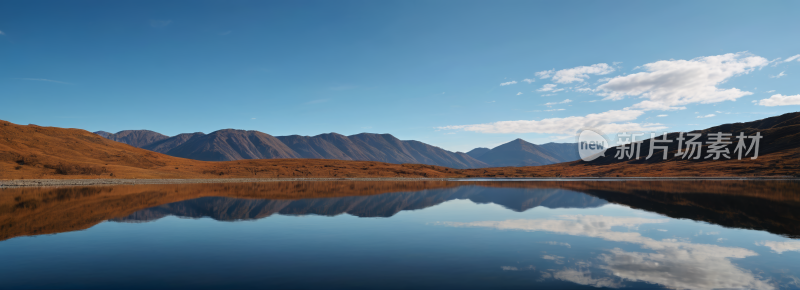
{"x": 522, "y": 153}
{"x": 230, "y": 144}
{"x": 135, "y": 138}
{"x": 477, "y": 152}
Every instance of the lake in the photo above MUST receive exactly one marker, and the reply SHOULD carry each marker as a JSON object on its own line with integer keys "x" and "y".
{"x": 676, "y": 234}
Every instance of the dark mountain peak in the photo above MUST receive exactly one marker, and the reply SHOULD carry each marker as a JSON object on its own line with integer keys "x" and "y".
{"x": 168, "y": 144}
{"x": 136, "y": 138}
{"x": 518, "y": 153}
{"x": 477, "y": 152}
{"x": 516, "y": 143}
{"x": 141, "y": 131}
{"x": 377, "y": 147}
{"x": 232, "y": 144}
{"x": 330, "y": 136}
{"x": 231, "y": 131}
{"x": 374, "y": 135}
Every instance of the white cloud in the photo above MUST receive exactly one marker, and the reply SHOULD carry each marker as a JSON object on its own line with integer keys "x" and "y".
{"x": 547, "y": 88}
{"x": 606, "y": 122}
{"x": 508, "y": 83}
{"x": 584, "y": 277}
{"x": 780, "y": 247}
{"x": 545, "y": 73}
{"x": 782, "y": 74}
{"x": 552, "y": 257}
{"x": 558, "y": 103}
{"x": 554, "y": 243}
{"x": 680, "y": 265}
{"x": 707, "y": 116}
{"x": 651, "y": 105}
{"x": 770, "y": 91}
{"x": 554, "y": 110}
{"x": 583, "y": 90}
{"x": 519, "y": 93}
{"x": 672, "y": 83}
{"x": 529, "y": 80}
{"x": 706, "y": 233}
{"x": 672, "y": 263}
{"x": 578, "y": 74}
{"x": 661, "y": 116}
{"x": 791, "y": 58}
{"x": 780, "y": 100}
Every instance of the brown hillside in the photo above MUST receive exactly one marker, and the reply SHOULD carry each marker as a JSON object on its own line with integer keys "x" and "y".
{"x": 47, "y": 152}
{"x": 55, "y": 153}
{"x": 781, "y": 134}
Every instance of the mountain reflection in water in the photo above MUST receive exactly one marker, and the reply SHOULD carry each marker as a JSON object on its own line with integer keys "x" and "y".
{"x": 432, "y": 235}
{"x": 761, "y": 205}
{"x": 384, "y": 205}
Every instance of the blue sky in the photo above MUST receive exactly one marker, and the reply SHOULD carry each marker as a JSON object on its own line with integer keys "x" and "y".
{"x": 422, "y": 70}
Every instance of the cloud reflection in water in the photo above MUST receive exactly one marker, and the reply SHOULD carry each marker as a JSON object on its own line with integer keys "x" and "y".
{"x": 675, "y": 264}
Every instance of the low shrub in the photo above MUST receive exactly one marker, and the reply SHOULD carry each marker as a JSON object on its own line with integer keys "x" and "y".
{"x": 75, "y": 169}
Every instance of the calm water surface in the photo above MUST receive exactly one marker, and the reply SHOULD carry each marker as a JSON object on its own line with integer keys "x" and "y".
{"x": 433, "y": 235}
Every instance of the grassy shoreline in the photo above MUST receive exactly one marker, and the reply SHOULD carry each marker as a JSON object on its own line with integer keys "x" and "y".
{"x": 110, "y": 181}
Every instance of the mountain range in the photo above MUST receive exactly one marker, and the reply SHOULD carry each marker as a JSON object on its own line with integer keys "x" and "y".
{"x": 36, "y": 152}
{"x": 230, "y": 144}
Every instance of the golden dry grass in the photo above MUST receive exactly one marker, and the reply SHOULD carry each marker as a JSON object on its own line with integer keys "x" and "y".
{"x": 34, "y": 152}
